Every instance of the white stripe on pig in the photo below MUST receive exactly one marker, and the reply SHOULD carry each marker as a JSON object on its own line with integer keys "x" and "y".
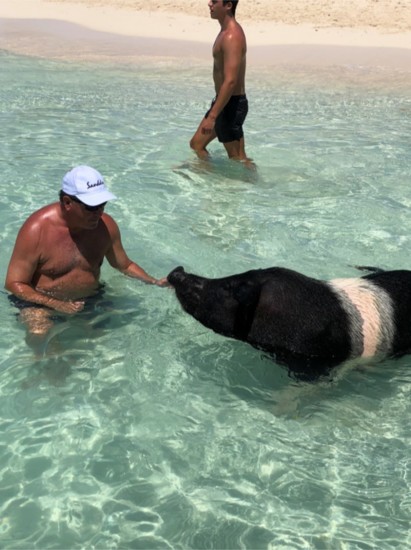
{"x": 371, "y": 314}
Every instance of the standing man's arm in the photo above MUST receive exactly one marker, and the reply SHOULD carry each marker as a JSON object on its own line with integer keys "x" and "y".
{"x": 117, "y": 257}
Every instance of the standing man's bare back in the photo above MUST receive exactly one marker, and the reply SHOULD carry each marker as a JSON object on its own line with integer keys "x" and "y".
{"x": 228, "y": 110}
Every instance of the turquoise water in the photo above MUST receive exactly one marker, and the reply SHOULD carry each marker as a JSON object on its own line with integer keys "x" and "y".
{"x": 140, "y": 428}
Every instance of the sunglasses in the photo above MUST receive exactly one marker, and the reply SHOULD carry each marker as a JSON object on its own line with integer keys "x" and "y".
{"x": 86, "y": 206}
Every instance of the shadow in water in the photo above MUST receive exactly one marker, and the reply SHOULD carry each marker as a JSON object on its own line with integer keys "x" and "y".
{"x": 195, "y": 169}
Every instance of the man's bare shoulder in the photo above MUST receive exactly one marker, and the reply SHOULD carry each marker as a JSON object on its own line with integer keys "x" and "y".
{"x": 48, "y": 212}
{"x": 110, "y": 224}
{"x": 108, "y": 220}
{"x": 41, "y": 218}
{"x": 234, "y": 34}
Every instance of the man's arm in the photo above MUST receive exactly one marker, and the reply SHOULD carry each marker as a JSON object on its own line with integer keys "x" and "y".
{"x": 117, "y": 257}
{"x": 23, "y": 265}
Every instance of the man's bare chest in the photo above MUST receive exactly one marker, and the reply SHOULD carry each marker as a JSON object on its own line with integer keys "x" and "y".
{"x": 67, "y": 253}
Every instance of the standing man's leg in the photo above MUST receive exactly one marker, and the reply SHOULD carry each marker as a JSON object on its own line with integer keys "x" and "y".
{"x": 229, "y": 126}
{"x": 200, "y": 140}
{"x": 236, "y": 149}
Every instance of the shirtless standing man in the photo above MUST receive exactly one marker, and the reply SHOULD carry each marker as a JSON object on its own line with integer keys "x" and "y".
{"x": 228, "y": 110}
{"x": 55, "y": 265}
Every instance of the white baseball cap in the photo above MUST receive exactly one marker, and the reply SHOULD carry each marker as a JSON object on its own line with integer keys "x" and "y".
{"x": 87, "y": 185}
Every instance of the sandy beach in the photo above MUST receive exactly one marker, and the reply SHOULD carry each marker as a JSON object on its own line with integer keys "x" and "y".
{"x": 370, "y": 32}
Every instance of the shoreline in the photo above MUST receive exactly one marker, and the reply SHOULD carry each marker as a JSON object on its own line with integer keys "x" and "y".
{"x": 81, "y": 30}
{"x": 62, "y": 40}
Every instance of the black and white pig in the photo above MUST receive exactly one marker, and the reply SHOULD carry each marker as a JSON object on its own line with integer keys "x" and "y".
{"x": 309, "y": 325}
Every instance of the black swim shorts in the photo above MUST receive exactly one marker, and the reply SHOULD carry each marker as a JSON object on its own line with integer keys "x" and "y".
{"x": 229, "y": 123}
{"x": 22, "y": 304}
{"x": 92, "y": 303}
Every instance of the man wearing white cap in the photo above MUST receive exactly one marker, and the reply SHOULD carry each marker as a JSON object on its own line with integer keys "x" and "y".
{"x": 59, "y": 250}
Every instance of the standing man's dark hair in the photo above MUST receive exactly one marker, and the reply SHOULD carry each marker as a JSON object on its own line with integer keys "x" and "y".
{"x": 225, "y": 117}
{"x": 233, "y": 5}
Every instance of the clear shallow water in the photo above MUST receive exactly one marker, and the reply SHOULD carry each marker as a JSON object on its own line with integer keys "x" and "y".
{"x": 144, "y": 430}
